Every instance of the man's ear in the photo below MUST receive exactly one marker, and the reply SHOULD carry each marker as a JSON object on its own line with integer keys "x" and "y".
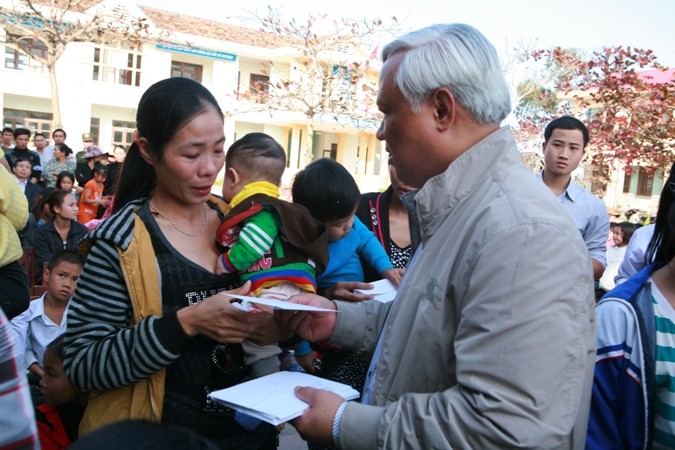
{"x": 543, "y": 147}
{"x": 146, "y": 152}
{"x": 444, "y": 107}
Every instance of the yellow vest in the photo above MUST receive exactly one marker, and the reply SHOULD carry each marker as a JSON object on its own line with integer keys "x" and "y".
{"x": 143, "y": 400}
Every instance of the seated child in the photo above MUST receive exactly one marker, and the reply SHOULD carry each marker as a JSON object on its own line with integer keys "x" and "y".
{"x": 45, "y": 318}
{"x": 275, "y": 244}
{"x": 58, "y": 419}
{"x": 331, "y": 195}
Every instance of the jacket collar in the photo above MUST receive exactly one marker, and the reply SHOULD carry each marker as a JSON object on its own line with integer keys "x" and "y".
{"x": 257, "y": 187}
{"x": 39, "y": 309}
{"x": 572, "y": 191}
{"x": 472, "y": 169}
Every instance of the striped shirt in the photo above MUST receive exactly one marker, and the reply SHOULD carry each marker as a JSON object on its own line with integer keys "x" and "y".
{"x": 102, "y": 351}
{"x": 664, "y": 405}
{"x": 17, "y": 419}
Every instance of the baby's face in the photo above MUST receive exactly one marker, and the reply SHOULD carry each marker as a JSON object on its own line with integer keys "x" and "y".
{"x": 339, "y": 228}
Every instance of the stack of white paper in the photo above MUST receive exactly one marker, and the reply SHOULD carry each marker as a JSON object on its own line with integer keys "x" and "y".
{"x": 272, "y": 399}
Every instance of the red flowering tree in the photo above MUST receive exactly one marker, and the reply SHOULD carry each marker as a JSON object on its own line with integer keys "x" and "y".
{"x": 625, "y": 97}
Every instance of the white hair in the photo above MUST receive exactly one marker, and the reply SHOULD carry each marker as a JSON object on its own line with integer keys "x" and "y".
{"x": 457, "y": 57}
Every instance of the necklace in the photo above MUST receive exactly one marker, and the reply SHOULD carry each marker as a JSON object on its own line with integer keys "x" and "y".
{"x": 179, "y": 229}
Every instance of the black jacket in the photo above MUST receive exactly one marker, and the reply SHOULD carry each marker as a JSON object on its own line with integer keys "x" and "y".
{"x": 46, "y": 240}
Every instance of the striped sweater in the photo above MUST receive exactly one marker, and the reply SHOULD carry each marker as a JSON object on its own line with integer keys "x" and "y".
{"x": 102, "y": 350}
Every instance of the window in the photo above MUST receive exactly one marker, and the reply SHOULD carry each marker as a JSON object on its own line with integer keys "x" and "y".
{"x": 339, "y": 86}
{"x": 18, "y": 61}
{"x": 259, "y": 87}
{"x": 121, "y": 65}
{"x": 332, "y": 153}
{"x": 123, "y": 132}
{"x": 645, "y": 182}
{"x": 186, "y": 70}
{"x": 95, "y": 128}
{"x": 627, "y": 178}
{"x": 34, "y": 121}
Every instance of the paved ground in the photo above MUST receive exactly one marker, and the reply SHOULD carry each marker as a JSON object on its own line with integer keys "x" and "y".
{"x": 290, "y": 440}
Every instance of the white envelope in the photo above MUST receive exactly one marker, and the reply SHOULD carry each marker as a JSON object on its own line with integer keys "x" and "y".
{"x": 279, "y": 304}
{"x": 272, "y": 398}
{"x": 383, "y": 291}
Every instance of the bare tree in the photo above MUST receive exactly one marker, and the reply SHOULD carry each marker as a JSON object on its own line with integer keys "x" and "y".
{"x": 333, "y": 73}
{"x": 57, "y": 23}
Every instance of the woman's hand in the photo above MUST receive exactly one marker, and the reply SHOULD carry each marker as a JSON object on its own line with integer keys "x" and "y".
{"x": 346, "y": 290}
{"x": 218, "y": 319}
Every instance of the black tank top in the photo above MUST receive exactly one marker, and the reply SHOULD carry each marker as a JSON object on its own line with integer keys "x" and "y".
{"x": 204, "y": 365}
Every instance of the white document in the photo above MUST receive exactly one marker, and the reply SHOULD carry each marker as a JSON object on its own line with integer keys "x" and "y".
{"x": 271, "y": 398}
{"x": 279, "y": 304}
{"x": 383, "y": 291}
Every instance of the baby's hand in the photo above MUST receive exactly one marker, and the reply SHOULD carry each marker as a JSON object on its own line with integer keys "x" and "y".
{"x": 394, "y": 275}
{"x": 307, "y": 361}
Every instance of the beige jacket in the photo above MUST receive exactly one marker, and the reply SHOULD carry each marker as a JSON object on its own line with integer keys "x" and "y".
{"x": 490, "y": 343}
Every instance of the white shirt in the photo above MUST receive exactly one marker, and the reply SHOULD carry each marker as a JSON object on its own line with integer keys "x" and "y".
{"x": 634, "y": 259}
{"x": 615, "y": 256}
{"x": 22, "y": 185}
{"x": 46, "y": 155}
{"x": 33, "y": 331}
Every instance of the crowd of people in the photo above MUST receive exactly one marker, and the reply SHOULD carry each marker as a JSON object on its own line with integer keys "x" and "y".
{"x": 490, "y": 342}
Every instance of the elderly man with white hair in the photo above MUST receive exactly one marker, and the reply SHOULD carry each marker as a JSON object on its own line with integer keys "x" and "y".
{"x": 490, "y": 341}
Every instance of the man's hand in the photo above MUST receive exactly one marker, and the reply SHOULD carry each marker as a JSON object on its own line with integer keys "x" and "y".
{"x": 345, "y": 290}
{"x": 310, "y": 326}
{"x": 316, "y": 423}
{"x": 598, "y": 269}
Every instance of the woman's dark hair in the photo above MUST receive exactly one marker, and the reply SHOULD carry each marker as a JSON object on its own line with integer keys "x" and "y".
{"x": 164, "y": 108}
{"x": 64, "y": 148}
{"x": 39, "y": 203}
{"x": 62, "y": 175}
{"x": 55, "y": 199}
{"x": 327, "y": 190}
{"x": 662, "y": 246}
